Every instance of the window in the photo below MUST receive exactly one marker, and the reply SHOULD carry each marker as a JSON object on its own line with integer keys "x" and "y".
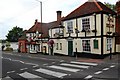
{"x": 86, "y": 24}
{"x": 34, "y": 47}
{"x": 57, "y": 30}
{"x": 86, "y": 45}
{"x": 30, "y": 35}
{"x": 109, "y": 43}
{"x": 60, "y": 46}
{"x": 70, "y": 26}
{"x": 61, "y": 31}
{"x": 56, "y": 46}
{"x": 31, "y": 47}
{"x": 95, "y": 44}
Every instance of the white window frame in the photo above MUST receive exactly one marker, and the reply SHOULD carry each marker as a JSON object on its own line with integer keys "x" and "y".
{"x": 60, "y": 46}
{"x": 86, "y": 50}
{"x": 57, "y": 30}
{"x": 70, "y": 26}
{"x": 109, "y": 43}
{"x": 89, "y": 18}
{"x": 57, "y": 46}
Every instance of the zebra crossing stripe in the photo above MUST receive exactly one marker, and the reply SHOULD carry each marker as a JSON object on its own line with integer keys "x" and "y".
{"x": 64, "y": 68}
{"x": 29, "y": 75}
{"x": 88, "y": 77}
{"x": 112, "y": 66}
{"x": 77, "y": 66}
{"x": 84, "y": 63}
{"x": 51, "y": 73}
{"x": 7, "y": 78}
{"x": 98, "y": 72}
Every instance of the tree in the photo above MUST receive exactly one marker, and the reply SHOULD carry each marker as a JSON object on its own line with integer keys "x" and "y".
{"x": 111, "y": 6}
{"x": 14, "y": 34}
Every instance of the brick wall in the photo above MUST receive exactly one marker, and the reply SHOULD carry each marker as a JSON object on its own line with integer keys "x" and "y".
{"x": 118, "y": 22}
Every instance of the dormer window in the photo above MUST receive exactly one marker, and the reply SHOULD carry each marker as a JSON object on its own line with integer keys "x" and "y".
{"x": 86, "y": 24}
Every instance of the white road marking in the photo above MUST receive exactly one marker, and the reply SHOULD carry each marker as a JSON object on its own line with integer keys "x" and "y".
{"x": 16, "y": 60}
{"x": 112, "y": 66}
{"x": 53, "y": 62}
{"x": 105, "y": 69}
{"x": 64, "y": 68}
{"x": 9, "y": 59}
{"x": 35, "y": 57}
{"x": 6, "y": 78}
{"x": 45, "y": 64}
{"x": 30, "y": 56}
{"x": 52, "y": 73}
{"x": 22, "y": 62}
{"x": 44, "y": 58}
{"x": 19, "y": 55}
{"x": 31, "y": 64}
{"x": 72, "y": 65}
{"x": 35, "y": 66}
{"x": 29, "y": 75}
{"x": 88, "y": 77}
{"x": 98, "y": 72}
{"x": 84, "y": 63}
{"x": 23, "y": 68}
{"x": 11, "y": 72}
{"x": 62, "y": 61}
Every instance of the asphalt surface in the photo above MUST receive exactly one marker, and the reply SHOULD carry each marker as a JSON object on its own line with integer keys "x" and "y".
{"x": 21, "y": 66}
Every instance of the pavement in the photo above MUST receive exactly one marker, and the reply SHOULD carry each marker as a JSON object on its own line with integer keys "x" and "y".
{"x": 115, "y": 58}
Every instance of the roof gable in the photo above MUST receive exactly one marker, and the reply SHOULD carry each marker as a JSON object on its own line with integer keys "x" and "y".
{"x": 89, "y": 7}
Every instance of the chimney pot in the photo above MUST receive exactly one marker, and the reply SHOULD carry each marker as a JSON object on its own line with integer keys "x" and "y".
{"x": 59, "y": 15}
{"x": 36, "y": 21}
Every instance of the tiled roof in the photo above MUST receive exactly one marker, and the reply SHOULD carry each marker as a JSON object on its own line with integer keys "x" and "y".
{"x": 118, "y": 7}
{"x": 55, "y": 24}
{"x": 37, "y": 27}
{"x": 89, "y": 7}
{"x": 45, "y": 27}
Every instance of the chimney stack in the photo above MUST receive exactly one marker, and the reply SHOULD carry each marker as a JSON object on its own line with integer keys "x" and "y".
{"x": 36, "y": 21}
{"x": 118, "y": 21}
{"x": 59, "y": 15}
{"x": 118, "y": 7}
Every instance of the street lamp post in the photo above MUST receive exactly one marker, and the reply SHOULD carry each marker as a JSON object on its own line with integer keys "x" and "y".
{"x": 110, "y": 48}
{"x": 41, "y": 23}
{"x": 76, "y": 31}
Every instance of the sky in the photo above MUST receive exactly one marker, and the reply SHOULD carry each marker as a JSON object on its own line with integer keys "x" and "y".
{"x": 22, "y": 13}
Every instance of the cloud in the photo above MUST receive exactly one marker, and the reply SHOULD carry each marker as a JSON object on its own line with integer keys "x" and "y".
{"x": 22, "y": 13}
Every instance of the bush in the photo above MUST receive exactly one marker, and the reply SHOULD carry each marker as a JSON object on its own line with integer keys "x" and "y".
{"x": 9, "y": 49}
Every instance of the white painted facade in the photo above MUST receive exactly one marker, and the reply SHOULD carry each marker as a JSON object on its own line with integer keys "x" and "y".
{"x": 38, "y": 46}
{"x": 77, "y": 42}
{"x": 14, "y": 45}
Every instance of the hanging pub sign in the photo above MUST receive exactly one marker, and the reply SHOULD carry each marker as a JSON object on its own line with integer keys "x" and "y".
{"x": 110, "y": 22}
{"x": 50, "y": 42}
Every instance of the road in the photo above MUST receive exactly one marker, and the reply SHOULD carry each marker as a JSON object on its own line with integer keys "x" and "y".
{"x": 16, "y": 66}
